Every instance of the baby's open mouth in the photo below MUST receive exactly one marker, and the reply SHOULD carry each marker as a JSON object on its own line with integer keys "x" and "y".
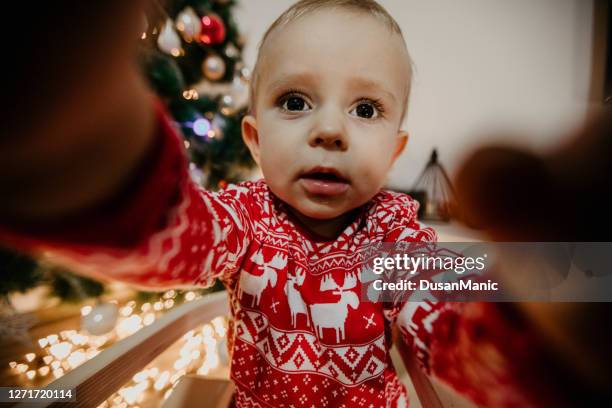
{"x": 324, "y": 177}
{"x": 324, "y": 181}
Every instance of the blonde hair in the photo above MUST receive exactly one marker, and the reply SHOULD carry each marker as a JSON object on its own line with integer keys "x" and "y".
{"x": 305, "y": 7}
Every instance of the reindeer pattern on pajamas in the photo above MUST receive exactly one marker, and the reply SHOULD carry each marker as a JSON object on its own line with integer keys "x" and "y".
{"x": 297, "y": 311}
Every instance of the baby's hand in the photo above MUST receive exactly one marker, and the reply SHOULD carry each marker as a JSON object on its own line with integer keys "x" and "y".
{"x": 80, "y": 117}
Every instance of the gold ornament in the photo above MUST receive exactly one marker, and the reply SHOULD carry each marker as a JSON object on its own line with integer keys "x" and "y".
{"x": 213, "y": 67}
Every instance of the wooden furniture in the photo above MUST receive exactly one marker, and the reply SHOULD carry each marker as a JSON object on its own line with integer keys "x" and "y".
{"x": 209, "y": 392}
{"x": 98, "y": 378}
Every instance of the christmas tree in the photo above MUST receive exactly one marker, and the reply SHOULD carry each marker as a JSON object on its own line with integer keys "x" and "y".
{"x": 192, "y": 58}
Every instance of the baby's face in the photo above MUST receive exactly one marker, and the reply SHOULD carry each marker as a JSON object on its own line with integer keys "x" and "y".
{"x": 330, "y": 96}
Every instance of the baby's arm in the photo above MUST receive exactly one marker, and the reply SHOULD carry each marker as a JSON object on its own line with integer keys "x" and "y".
{"x": 164, "y": 231}
{"x": 487, "y": 352}
{"x": 96, "y": 179}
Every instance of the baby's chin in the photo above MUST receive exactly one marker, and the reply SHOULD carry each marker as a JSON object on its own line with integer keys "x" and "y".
{"x": 322, "y": 208}
{"x": 319, "y": 212}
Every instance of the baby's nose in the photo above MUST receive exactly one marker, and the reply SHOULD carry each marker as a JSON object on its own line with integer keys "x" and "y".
{"x": 329, "y": 132}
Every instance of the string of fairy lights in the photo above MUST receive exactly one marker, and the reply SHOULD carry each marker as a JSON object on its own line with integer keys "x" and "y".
{"x": 199, "y": 351}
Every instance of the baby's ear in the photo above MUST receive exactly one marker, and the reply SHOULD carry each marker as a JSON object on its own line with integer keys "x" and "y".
{"x": 400, "y": 144}
{"x": 251, "y": 136}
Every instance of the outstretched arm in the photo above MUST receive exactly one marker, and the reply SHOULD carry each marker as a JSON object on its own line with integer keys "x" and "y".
{"x": 489, "y": 353}
{"x": 97, "y": 178}
{"x": 161, "y": 231}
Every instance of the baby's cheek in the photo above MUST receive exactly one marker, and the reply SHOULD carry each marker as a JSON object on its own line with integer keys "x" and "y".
{"x": 371, "y": 176}
{"x": 275, "y": 164}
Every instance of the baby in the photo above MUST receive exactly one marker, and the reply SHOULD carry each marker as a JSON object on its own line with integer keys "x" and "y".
{"x": 328, "y": 96}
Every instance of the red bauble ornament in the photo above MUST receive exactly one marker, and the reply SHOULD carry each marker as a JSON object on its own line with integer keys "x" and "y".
{"x": 213, "y": 30}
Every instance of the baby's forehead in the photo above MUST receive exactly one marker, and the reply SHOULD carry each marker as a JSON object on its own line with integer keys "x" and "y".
{"x": 336, "y": 19}
{"x": 344, "y": 38}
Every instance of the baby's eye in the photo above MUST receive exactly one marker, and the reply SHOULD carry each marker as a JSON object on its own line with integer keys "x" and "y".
{"x": 366, "y": 110}
{"x": 294, "y": 103}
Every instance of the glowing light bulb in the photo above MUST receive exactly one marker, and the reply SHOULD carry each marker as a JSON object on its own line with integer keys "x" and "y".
{"x": 207, "y": 331}
{"x": 126, "y": 311}
{"x": 162, "y": 380}
{"x": 148, "y": 319}
{"x": 77, "y": 358}
{"x": 219, "y": 325}
{"x": 201, "y": 127}
{"x": 140, "y": 376}
{"x": 60, "y": 350}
